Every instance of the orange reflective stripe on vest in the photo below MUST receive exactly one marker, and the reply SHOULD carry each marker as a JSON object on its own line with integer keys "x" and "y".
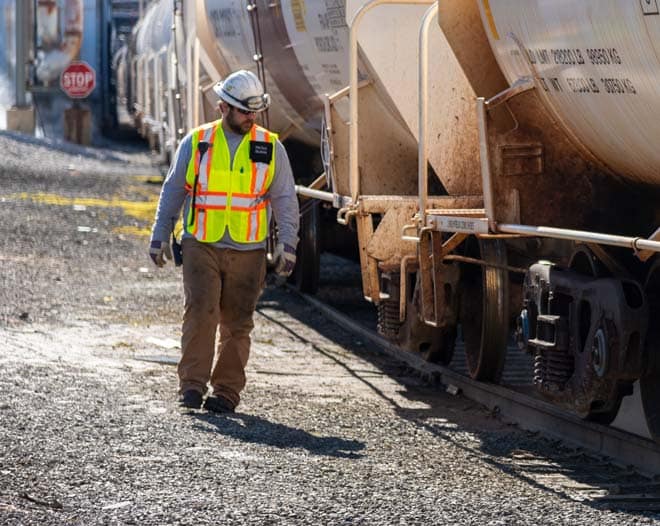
{"x": 203, "y": 163}
{"x": 259, "y": 170}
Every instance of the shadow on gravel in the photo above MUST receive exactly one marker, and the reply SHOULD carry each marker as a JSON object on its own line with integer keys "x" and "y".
{"x": 548, "y": 464}
{"x": 329, "y": 356}
{"x": 551, "y": 465}
{"x": 257, "y": 430}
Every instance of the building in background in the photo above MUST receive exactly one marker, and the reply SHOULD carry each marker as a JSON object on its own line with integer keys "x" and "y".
{"x": 55, "y": 33}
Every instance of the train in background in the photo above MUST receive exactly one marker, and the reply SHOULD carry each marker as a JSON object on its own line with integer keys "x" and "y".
{"x": 496, "y": 159}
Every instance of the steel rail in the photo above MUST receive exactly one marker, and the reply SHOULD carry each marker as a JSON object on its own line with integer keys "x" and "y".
{"x": 529, "y": 413}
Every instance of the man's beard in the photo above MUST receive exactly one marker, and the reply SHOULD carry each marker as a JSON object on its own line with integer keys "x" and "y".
{"x": 238, "y": 129}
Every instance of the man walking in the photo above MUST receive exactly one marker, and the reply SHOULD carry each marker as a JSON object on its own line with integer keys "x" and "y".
{"x": 228, "y": 175}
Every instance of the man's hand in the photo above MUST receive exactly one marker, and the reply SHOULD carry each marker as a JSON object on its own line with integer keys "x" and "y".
{"x": 285, "y": 259}
{"x": 160, "y": 252}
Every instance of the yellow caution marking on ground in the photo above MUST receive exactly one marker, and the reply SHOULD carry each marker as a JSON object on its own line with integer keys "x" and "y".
{"x": 491, "y": 20}
{"x": 145, "y": 192}
{"x": 133, "y": 231}
{"x": 141, "y": 210}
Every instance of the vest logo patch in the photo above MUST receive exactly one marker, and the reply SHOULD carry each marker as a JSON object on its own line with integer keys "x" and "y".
{"x": 261, "y": 152}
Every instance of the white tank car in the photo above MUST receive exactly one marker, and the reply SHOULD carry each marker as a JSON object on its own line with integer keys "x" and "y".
{"x": 571, "y": 112}
{"x": 599, "y": 67}
{"x": 302, "y": 45}
{"x": 303, "y": 48}
{"x": 149, "y": 75}
{"x": 564, "y": 99}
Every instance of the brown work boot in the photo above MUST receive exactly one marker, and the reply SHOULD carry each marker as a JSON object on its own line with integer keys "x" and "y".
{"x": 218, "y": 404}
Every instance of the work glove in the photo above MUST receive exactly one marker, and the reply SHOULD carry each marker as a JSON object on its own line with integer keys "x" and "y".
{"x": 285, "y": 259}
{"x": 160, "y": 252}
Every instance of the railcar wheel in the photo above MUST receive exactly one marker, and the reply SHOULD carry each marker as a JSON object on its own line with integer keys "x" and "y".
{"x": 484, "y": 310}
{"x": 586, "y": 263}
{"x": 305, "y": 275}
{"x": 606, "y": 413}
{"x": 649, "y": 383}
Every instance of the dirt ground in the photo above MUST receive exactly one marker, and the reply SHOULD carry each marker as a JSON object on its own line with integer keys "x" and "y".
{"x": 328, "y": 432}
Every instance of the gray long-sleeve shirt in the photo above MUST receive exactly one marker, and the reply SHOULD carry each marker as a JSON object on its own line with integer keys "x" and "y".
{"x": 282, "y": 194}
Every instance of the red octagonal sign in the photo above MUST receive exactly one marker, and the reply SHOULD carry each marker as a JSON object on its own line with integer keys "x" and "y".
{"x": 78, "y": 80}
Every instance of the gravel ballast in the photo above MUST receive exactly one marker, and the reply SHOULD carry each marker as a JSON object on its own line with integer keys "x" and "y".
{"x": 329, "y": 432}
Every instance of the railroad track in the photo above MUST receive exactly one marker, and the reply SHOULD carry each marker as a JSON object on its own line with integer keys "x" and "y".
{"x": 611, "y": 467}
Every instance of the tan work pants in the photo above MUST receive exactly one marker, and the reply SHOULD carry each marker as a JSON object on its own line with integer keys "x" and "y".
{"x": 221, "y": 286}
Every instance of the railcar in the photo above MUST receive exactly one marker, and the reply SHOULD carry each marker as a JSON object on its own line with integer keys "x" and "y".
{"x": 497, "y": 159}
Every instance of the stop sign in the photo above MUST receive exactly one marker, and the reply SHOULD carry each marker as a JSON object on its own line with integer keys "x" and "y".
{"x": 78, "y": 80}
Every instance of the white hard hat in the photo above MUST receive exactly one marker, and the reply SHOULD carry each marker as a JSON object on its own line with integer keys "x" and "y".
{"x": 243, "y": 90}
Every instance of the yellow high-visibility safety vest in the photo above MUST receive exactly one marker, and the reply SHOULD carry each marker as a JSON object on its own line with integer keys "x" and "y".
{"x": 226, "y": 196}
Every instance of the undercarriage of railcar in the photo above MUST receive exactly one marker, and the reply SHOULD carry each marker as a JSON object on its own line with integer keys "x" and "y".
{"x": 479, "y": 264}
